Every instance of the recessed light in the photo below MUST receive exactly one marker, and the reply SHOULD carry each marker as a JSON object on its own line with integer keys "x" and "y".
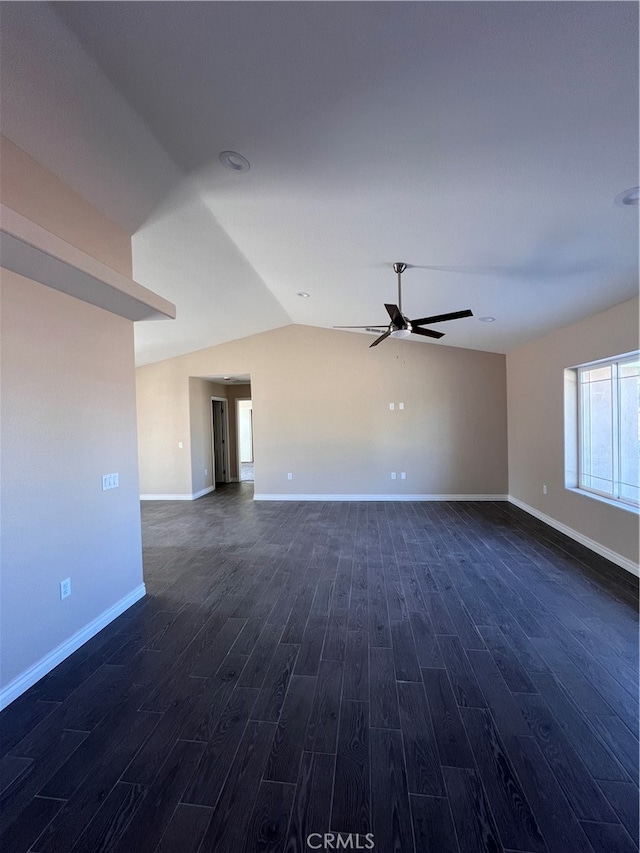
{"x": 234, "y": 161}
{"x": 303, "y": 294}
{"x": 487, "y": 319}
{"x": 629, "y": 198}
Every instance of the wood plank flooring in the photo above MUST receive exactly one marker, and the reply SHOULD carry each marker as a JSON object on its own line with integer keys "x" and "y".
{"x": 446, "y": 677}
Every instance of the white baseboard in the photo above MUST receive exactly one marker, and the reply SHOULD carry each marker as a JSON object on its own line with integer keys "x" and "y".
{"x": 34, "y": 673}
{"x": 415, "y": 498}
{"x": 202, "y": 492}
{"x": 607, "y": 553}
{"x": 178, "y": 497}
{"x": 181, "y": 497}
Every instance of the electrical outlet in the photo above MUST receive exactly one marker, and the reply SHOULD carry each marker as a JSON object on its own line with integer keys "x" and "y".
{"x": 393, "y": 475}
{"x": 403, "y": 475}
{"x": 401, "y": 405}
{"x": 544, "y": 490}
{"x": 180, "y": 445}
{"x": 289, "y": 476}
{"x": 392, "y": 406}
{"x": 65, "y": 588}
{"x": 205, "y": 472}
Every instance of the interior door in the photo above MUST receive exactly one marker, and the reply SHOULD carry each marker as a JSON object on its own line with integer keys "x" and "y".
{"x": 219, "y": 441}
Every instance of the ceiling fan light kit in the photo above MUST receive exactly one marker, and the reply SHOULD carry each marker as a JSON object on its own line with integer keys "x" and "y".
{"x": 400, "y": 325}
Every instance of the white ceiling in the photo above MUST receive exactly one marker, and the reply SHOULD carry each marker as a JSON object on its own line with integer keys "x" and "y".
{"x": 236, "y": 379}
{"x": 481, "y": 143}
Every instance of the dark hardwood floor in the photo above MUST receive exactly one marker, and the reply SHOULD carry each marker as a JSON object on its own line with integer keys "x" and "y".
{"x": 448, "y": 677}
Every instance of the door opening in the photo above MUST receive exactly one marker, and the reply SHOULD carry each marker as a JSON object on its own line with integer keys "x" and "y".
{"x": 244, "y": 420}
{"x": 220, "y": 440}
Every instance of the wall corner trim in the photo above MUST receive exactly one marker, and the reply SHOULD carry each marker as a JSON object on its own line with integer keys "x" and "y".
{"x": 415, "y": 498}
{"x": 178, "y": 497}
{"x": 602, "y": 550}
{"x": 34, "y": 673}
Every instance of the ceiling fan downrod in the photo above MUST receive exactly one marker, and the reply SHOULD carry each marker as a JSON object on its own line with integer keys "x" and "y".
{"x": 399, "y": 268}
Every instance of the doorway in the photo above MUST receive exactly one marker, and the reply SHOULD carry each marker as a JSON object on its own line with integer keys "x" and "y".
{"x": 220, "y": 440}
{"x": 244, "y": 420}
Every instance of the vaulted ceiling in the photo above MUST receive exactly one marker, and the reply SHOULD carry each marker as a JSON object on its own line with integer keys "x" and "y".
{"x": 481, "y": 143}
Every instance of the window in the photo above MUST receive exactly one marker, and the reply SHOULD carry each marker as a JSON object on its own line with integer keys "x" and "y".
{"x": 609, "y": 428}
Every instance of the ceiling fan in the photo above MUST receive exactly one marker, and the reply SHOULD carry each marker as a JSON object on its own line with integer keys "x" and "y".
{"x": 400, "y": 326}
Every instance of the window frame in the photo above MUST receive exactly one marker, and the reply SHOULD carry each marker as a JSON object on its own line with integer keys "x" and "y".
{"x": 613, "y": 498}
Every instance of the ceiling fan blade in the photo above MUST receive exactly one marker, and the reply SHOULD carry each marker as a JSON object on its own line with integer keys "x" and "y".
{"x": 381, "y": 338}
{"x": 428, "y": 333}
{"x": 370, "y": 326}
{"x": 440, "y": 318}
{"x": 396, "y": 317}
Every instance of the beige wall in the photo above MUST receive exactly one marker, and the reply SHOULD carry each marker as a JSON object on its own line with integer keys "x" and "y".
{"x": 68, "y": 417}
{"x": 163, "y": 424}
{"x": 200, "y": 393}
{"x": 535, "y": 383}
{"x": 36, "y": 193}
{"x": 199, "y": 431}
{"x": 321, "y": 411}
{"x": 174, "y": 409}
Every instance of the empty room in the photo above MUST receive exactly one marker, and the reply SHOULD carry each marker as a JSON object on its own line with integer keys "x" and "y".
{"x": 320, "y": 363}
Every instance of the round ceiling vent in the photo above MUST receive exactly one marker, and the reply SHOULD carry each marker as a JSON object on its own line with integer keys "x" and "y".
{"x": 629, "y": 198}
{"x": 234, "y": 161}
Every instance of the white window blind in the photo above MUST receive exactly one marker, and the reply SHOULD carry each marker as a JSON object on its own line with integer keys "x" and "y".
{"x": 608, "y": 429}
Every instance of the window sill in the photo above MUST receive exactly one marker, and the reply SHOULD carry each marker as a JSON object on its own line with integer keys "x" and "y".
{"x": 602, "y": 499}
